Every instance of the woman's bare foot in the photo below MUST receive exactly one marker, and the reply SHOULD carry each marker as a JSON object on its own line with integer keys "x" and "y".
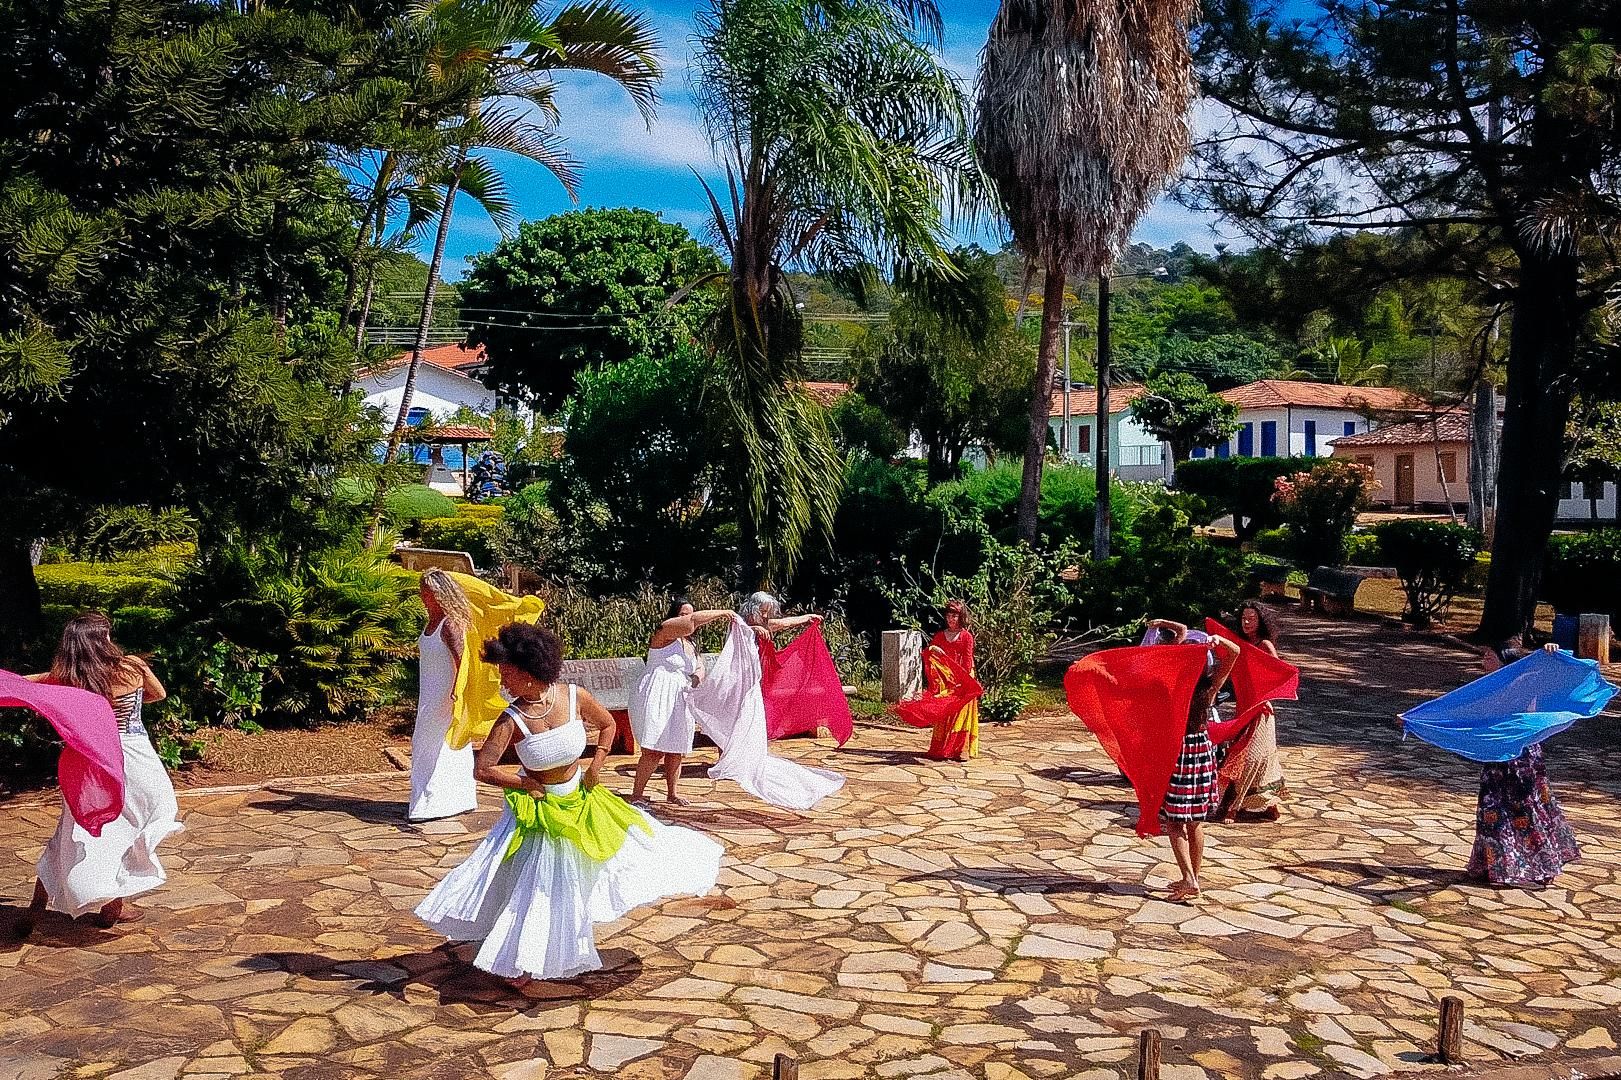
{"x": 675, "y": 800}
{"x": 114, "y": 913}
{"x": 1182, "y": 892}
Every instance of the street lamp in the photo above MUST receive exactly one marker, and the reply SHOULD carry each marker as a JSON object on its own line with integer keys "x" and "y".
{"x": 1100, "y": 516}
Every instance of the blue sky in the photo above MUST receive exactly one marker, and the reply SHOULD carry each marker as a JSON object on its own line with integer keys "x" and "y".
{"x": 625, "y": 164}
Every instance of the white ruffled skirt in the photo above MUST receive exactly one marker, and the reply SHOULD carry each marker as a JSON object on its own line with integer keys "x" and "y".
{"x": 83, "y": 873}
{"x": 534, "y": 913}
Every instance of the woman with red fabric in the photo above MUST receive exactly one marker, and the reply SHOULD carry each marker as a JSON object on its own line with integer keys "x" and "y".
{"x": 951, "y": 704}
{"x": 1251, "y": 777}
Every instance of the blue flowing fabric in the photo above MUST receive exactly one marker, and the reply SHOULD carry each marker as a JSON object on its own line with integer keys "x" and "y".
{"x": 1497, "y": 716}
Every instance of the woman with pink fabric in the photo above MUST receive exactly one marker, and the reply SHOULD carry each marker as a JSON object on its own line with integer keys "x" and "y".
{"x": 82, "y": 872}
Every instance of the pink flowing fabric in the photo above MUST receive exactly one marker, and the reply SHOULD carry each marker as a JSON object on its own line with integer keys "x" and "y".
{"x": 1136, "y": 701}
{"x": 802, "y": 688}
{"x": 91, "y": 767}
{"x": 1258, "y": 678}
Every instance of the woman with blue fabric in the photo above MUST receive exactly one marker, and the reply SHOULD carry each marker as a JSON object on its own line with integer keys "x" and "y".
{"x": 1521, "y": 835}
{"x": 567, "y": 853}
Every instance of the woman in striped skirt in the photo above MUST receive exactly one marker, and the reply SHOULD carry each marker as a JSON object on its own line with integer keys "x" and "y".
{"x": 1193, "y": 797}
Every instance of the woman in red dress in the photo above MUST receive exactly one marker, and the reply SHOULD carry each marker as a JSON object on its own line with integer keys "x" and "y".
{"x": 951, "y": 704}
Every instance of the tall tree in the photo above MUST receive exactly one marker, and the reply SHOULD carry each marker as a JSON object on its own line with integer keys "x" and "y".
{"x": 1082, "y": 117}
{"x": 581, "y": 290}
{"x": 1488, "y": 134}
{"x": 1181, "y": 411}
{"x": 842, "y": 135}
{"x": 949, "y": 365}
{"x": 505, "y": 55}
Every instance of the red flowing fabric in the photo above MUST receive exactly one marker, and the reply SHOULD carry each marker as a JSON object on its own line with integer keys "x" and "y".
{"x": 91, "y": 766}
{"x": 951, "y": 683}
{"x": 802, "y": 688}
{"x": 1258, "y": 678}
{"x": 1136, "y": 701}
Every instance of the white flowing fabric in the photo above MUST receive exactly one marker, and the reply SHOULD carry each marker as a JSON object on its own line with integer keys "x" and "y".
{"x": 728, "y": 707}
{"x": 442, "y": 783}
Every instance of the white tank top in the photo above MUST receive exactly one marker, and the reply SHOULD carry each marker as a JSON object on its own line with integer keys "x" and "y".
{"x": 555, "y": 747}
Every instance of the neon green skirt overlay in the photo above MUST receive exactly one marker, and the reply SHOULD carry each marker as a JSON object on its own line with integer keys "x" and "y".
{"x": 595, "y": 820}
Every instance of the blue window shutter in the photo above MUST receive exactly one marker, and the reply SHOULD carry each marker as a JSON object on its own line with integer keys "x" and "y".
{"x": 1350, "y": 427}
{"x": 1269, "y": 438}
{"x": 1221, "y": 450}
{"x": 1246, "y": 440}
{"x": 1311, "y": 438}
{"x": 1198, "y": 451}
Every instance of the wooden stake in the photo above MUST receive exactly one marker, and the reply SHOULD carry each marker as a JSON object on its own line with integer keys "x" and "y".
{"x": 1450, "y": 1044}
{"x": 784, "y": 1067}
{"x": 1148, "y": 1055}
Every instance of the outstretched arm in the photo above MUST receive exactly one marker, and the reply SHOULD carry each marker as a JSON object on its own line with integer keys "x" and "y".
{"x": 1180, "y": 630}
{"x": 684, "y": 625}
{"x": 777, "y": 626}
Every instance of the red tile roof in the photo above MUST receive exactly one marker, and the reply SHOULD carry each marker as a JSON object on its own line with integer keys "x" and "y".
{"x": 826, "y": 394}
{"x": 1085, "y": 402}
{"x": 455, "y": 358}
{"x": 1278, "y": 393}
{"x": 1453, "y": 427}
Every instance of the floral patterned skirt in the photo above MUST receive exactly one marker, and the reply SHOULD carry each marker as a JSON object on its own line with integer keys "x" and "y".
{"x": 1521, "y": 835}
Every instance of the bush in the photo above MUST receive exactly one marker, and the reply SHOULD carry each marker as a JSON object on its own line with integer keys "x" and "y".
{"x": 1583, "y": 573}
{"x": 990, "y": 496}
{"x": 1363, "y": 549}
{"x": 528, "y": 534}
{"x": 101, "y": 586}
{"x": 114, "y": 531}
{"x": 1240, "y": 486}
{"x": 1431, "y": 557}
{"x": 464, "y": 532}
{"x": 1319, "y": 506}
{"x": 414, "y": 502}
{"x": 1273, "y": 542}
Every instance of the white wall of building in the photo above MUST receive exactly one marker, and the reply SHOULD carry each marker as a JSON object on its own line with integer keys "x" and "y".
{"x": 1293, "y": 431}
{"x": 1578, "y": 508}
{"x": 439, "y": 391}
{"x": 1134, "y": 453}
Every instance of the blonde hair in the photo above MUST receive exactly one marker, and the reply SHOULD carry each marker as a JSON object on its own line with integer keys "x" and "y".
{"x": 451, "y": 600}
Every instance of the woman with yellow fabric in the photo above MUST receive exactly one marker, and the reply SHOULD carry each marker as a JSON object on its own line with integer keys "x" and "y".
{"x": 566, "y": 853}
{"x": 458, "y": 696}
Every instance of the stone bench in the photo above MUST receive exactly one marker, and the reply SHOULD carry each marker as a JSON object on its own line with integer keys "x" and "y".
{"x": 610, "y": 681}
{"x": 1332, "y": 589}
{"x": 420, "y": 560}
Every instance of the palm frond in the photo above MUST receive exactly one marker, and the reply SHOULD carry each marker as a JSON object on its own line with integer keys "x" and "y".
{"x": 482, "y": 182}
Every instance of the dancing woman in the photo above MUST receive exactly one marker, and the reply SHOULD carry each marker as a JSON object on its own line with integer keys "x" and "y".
{"x": 763, "y": 612}
{"x": 951, "y": 706}
{"x": 1521, "y": 835}
{"x": 442, "y": 783}
{"x": 1191, "y": 799}
{"x": 659, "y": 717}
{"x": 1251, "y": 777}
{"x": 566, "y": 853}
{"x": 79, "y": 873}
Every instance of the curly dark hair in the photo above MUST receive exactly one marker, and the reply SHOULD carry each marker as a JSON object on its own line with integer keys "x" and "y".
{"x": 533, "y": 651}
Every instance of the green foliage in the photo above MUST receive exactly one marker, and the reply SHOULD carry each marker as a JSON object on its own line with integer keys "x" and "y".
{"x": 412, "y": 503}
{"x": 1240, "y": 486}
{"x": 1219, "y": 361}
{"x": 1319, "y": 507}
{"x": 1272, "y": 542}
{"x": 472, "y": 534}
{"x": 1182, "y": 411}
{"x": 1068, "y": 495}
{"x": 212, "y": 684}
{"x": 1583, "y": 573}
{"x": 1363, "y": 549}
{"x": 102, "y": 586}
{"x": 113, "y": 531}
{"x": 329, "y": 630}
{"x": 607, "y": 276}
{"x": 1432, "y": 559}
{"x": 400, "y": 278}
{"x": 528, "y": 535}
{"x": 859, "y": 425}
{"x": 949, "y": 366}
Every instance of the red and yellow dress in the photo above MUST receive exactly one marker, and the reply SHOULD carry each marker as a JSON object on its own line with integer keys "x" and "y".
{"x": 950, "y": 705}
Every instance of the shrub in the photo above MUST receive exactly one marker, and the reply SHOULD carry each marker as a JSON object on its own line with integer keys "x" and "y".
{"x": 990, "y": 496}
{"x": 528, "y": 532}
{"x": 1362, "y": 549}
{"x": 114, "y": 531}
{"x": 1240, "y": 486}
{"x": 413, "y": 502}
{"x": 1583, "y": 573}
{"x": 1431, "y": 557}
{"x": 1319, "y": 505}
{"x": 1272, "y": 542}
{"x": 101, "y": 586}
{"x": 464, "y": 532}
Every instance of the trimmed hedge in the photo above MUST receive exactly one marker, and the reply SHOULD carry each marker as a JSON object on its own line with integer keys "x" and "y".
{"x": 1433, "y": 558}
{"x": 1240, "y": 486}
{"x": 101, "y": 586}
{"x": 464, "y": 532}
{"x": 1583, "y": 573}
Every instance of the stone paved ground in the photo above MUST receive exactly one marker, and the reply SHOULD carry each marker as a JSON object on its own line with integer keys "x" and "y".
{"x": 995, "y": 922}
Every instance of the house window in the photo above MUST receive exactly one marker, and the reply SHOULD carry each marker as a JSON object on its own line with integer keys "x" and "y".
{"x": 417, "y": 416}
{"x": 1350, "y": 427}
{"x": 1222, "y": 449}
{"x": 1311, "y": 438}
{"x": 1269, "y": 438}
{"x": 1246, "y": 440}
{"x": 1447, "y": 467}
{"x": 1083, "y": 439}
{"x": 1198, "y": 451}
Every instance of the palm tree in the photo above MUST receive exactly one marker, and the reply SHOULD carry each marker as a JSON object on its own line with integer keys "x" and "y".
{"x": 501, "y": 57}
{"x": 1082, "y": 115}
{"x": 842, "y": 136}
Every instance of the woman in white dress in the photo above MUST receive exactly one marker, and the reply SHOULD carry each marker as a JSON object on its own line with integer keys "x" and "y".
{"x": 659, "y": 717}
{"x": 79, "y": 873}
{"x": 442, "y": 783}
{"x": 566, "y": 853}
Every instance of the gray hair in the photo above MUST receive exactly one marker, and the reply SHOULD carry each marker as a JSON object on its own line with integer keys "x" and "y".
{"x": 759, "y": 608}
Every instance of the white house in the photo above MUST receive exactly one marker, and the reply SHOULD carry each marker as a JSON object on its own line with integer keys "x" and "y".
{"x": 1284, "y": 418}
{"x": 444, "y": 383}
{"x": 1134, "y": 454}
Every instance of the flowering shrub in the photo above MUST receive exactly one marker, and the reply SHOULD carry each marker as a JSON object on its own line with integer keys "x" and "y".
{"x": 1319, "y": 508}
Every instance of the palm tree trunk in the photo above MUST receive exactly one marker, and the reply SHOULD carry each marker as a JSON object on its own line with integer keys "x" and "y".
{"x": 364, "y": 318}
{"x": 429, "y": 292}
{"x": 1041, "y": 404}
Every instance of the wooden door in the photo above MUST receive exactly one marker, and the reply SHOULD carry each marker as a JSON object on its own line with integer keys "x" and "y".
{"x": 1404, "y": 479}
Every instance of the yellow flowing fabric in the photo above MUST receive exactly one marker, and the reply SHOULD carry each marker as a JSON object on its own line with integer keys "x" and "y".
{"x": 477, "y": 702}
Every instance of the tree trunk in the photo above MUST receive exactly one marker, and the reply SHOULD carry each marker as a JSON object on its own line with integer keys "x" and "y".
{"x": 1482, "y": 458}
{"x": 1103, "y": 508}
{"x": 429, "y": 292}
{"x": 1542, "y": 344}
{"x": 1041, "y": 404}
{"x": 20, "y": 622}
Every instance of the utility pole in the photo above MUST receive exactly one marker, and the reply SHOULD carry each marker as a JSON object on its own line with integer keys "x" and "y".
{"x": 1063, "y": 436}
{"x": 1100, "y": 517}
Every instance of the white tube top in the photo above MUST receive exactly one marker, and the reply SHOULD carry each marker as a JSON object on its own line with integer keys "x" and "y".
{"x": 540, "y": 751}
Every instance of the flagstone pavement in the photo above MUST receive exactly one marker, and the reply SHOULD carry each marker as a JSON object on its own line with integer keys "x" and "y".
{"x": 994, "y": 921}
